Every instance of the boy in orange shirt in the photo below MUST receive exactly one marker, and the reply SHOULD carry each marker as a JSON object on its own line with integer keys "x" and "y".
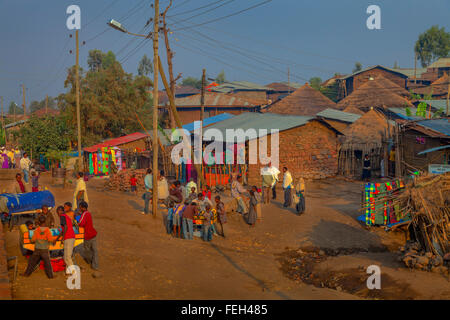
{"x": 42, "y": 237}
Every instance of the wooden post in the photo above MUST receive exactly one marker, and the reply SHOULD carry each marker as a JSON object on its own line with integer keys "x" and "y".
{"x": 397, "y": 152}
{"x": 448, "y": 92}
{"x": 198, "y": 167}
{"x": 156, "y": 64}
{"x": 77, "y": 93}
{"x": 23, "y": 103}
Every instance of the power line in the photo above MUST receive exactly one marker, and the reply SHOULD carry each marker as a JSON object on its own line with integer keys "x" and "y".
{"x": 204, "y": 12}
{"x": 225, "y": 17}
{"x": 102, "y": 12}
{"x": 192, "y": 10}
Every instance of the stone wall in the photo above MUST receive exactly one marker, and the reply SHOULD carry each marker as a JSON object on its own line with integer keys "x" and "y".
{"x": 309, "y": 151}
{"x": 5, "y": 287}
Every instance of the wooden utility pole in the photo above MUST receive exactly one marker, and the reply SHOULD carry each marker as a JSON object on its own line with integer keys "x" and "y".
{"x": 3, "y": 121}
{"x": 46, "y": 104}
{"x": 289, "y": 81}
{"x": 202, "y": 99}
{"x": 77, "y": 93}
{"x": 448, "y": 91}
{"x": 177, "y": 119}
{"x": 169, "y": 56}
{"x": 155, "y": 108}
{"x": 415, "y": 67}
{"x": 23, "y": 102}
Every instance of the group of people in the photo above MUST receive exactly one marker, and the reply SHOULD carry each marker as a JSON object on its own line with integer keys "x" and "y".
{"x": 65, "y": 221}
{"x": 186, "y": 204}
{"x": 16, "y": 159}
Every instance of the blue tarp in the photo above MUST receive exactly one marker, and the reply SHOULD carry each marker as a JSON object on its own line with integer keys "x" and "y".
{"x": 28, "y": 201}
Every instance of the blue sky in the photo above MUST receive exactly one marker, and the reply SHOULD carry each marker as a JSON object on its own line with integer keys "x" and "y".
{"x": 312, "y": 38}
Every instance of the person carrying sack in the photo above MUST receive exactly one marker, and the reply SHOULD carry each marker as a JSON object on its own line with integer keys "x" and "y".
{"x": 299, "y": 197}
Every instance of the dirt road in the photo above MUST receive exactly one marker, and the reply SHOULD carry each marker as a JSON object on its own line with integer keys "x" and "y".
{"x": 138, "y": 260}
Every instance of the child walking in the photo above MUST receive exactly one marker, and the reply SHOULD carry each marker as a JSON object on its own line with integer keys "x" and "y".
{"x": 133, "y": 184}
{"x": 34, "y": 181}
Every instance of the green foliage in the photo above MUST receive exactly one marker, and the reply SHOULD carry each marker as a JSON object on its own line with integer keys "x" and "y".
{"x": 408, "y": 111}
{"x": 315, "y": 82}
{"x": 38, "y": 105}
{"x": 193, "y": 82}
{"x": 432, "y": 45}
{"x": 58, "y": 156}
{"x": 358, "y": 67}
{"x": 109, "y": 102}
{"x": 145, "y": 66}
{"x": 98, "y": 60}
{"x": 220, "y": 78}
{"x": 2, "y": 137}
{"x": 13, "y": 106}
{"x": 44, "y": 134}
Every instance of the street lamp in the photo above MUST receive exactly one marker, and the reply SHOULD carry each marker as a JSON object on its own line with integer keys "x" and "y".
{"x": 118, "y": 26}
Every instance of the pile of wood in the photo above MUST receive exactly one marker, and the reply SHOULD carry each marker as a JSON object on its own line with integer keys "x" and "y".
{"x": 427, "y": 199}
{"x": 121, "y": 180}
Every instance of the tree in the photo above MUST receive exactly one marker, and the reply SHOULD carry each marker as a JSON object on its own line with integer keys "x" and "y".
{"x": 98, "y": 60}
{"x": 13, "y": 106}
{"x": 358, "y": 67}
{"x": 95, "y": 59}
{"x": 111, "y": 101}
{"x": 193, "y": 82}
{"x": 315, "y": 82}
{"x": 220, "y": 78}
{"x": 44, "y": 134}
{"x": 145, "y": 66}
{"x": 38, "y": 105}
{"x": 432, "y": 45}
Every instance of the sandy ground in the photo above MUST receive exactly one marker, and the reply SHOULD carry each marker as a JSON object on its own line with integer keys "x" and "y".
{"x": 138, "y": 260}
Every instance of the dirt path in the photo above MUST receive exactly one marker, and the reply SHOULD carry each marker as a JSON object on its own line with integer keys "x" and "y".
{"x": 139, "y": 260}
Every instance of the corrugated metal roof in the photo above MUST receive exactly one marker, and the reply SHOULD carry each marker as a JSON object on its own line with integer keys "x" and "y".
{"x": 10, "y": 125}
{"x": 438, "y": 125}
{"x": 117, "y": 141}
{"x": 437, "y": 104}
{"x": 214, "y": 99}
{"x": 373, "y": 67}
{"x": 441, "y": 63}
{"x": 239, "y": 85}
{"x": 401, "y": 112}
{"x": 209, "y": 121}
{"x": 339, "y": 115}
{"x": 434, "y": 149}
{"x": 252, "y": 120}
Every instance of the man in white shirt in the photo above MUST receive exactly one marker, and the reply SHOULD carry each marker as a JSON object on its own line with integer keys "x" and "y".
{"x": 287, "y": 186}
{"x": 275, "y": 173}
{"x": 25, "y": 164}
{"x": 80, "y": 193}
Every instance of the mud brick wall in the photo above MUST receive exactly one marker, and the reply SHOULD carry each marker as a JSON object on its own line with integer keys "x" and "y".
{"x": 5, "y": 288}
{"x": 309, "y": 151}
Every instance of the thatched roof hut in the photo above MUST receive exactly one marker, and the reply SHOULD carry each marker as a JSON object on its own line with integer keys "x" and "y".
{"x": 304, "y": 101}
{"x": 373, "y": 94}
{"x": 367, "y": 135}
{"x": 437, "y": 88}
{"x": 391, "y": 86}
{"x": 369, "y": 130}
{"x": 354, "y": 110}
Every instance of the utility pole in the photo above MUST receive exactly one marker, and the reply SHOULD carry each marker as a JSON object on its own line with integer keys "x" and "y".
{"x": 23, "y": 103}
{"x": 155, "y": 108}
{"x": 3, "y": 121}
{"x": 169, "y": 55}
{"x": 202, "y": 99}
{"x": 415, "y": 67}
{"x": 289, "y": 81}
{"x": 77, "y": 93}
{"x": 46, "y": 104}
{"x": 448, "y": 90}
